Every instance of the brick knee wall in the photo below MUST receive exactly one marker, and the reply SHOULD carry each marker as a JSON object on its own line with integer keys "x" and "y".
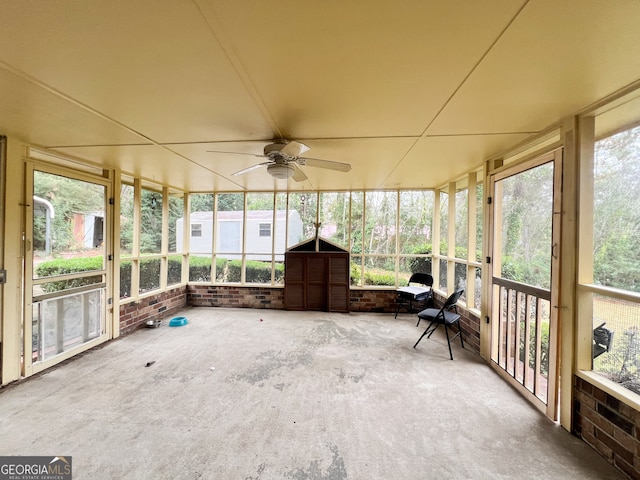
{"x": 608, "y": 425}
{"x": 375, "y": 301}
{"x": 134, "y": 314}
{"x": 237, "y": 297}
{"x": 471, "y": 331}
{"x": 379, "y": 301}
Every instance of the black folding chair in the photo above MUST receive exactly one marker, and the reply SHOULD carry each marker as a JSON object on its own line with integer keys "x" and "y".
{"x": 418, "y": 289}
{"x": 447, "y": 316}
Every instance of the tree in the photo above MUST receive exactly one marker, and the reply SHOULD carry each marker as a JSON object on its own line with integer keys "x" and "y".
{"x": 260, "y": 201}
{"x": 334, "y": 216}
{"x": 150, "y": 221}
{"x": 201, "y": 202}
{"x": 176, "y": 211}
{"x": 527, "y": 215}
{"x": 306, "y": 204}
{"x": 414, "y": 225}
{"x": 380, "y": 222}
{"x": 68, "y": 197}
{"x": 357, "y": 215}
{"x": 126, "y": 218}
{"x": 616, "y": 222}
{"x": 230, "y": 202}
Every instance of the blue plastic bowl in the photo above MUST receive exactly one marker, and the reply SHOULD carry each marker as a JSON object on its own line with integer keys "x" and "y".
{"x": 178, "y": 321}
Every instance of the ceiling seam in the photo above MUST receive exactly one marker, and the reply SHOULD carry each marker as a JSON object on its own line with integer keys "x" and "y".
{"x": 457, "y": 89}
{"x": 299, "y": 139}
{"x": 86, "y": 145}
{"x": 219, "y": 34}
{"x": 364, "y": 137}
{"x": 475, "y": 67}
{"x": 487, "y": 134}
{"x": 87, "y": 108}
{"x": 78, "y": 103}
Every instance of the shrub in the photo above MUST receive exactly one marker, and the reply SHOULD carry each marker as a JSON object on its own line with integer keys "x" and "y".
{"x": 174, "y": 269}
{"x": 233, "y": 271}
{"x": 149, "y": 274}
{"x": 544, "y": 346}
{"x": 125, "y": 278}
{"x": 279, "y": 274}
{"x": 62, "y": 266}
{"x": 221, "y": 265}
{"x": 355, "y": 274}
{"x": 379, "y": 278}
{"x": 403, "y": 279}
{"x": 200, "y": 269}
{"x": 258, "y": 272}
{"x": 461, "y": 252}
{"x": 622, "y": 363}
{"x": 421, "y": 264}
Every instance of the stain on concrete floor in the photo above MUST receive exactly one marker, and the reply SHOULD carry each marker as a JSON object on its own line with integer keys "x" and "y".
{"x": 336, "y": 470}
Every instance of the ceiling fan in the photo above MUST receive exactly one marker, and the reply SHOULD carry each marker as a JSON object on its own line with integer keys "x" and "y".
{"x": 283, "y": 160}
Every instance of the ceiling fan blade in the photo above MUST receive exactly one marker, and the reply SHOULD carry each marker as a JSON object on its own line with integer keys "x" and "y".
{"x": 235, "y": 153}
{"x": 249, "y": 169}
{"x": 318, "y": 163}
{"x": 298, "y": 174}
{"x": 294, "y": 149}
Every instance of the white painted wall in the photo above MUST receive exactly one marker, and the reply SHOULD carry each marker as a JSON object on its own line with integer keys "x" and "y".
{"x": 229, "y": 233}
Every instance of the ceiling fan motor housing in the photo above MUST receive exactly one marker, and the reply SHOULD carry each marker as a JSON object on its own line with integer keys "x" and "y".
{"x": 274, "y": 149}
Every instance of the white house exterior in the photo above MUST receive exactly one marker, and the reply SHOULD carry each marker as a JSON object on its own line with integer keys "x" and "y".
{"x": 228, "y": 240}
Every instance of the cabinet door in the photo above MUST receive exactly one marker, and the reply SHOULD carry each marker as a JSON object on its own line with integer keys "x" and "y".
{"x": 316, "y": 282}
{"x": 295, "y": 292}
{"x": 339, "y": 284}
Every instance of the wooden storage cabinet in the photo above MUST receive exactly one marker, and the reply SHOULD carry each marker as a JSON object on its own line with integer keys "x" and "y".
{"x": 316, "y": 280}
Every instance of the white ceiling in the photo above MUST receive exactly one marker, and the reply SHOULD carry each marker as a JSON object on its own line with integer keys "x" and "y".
{"x": 412, "y": 94}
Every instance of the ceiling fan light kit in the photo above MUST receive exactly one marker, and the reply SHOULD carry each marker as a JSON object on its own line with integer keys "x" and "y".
{"x": 281, "y": 171}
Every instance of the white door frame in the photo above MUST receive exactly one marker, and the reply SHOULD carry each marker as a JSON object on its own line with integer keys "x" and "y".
{"x": 28, "y": 367}
{"x": 550, "y": 408}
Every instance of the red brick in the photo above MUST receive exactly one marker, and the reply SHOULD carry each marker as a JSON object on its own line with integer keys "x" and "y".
{"x": 599, "y": 395}
{"x": 588, "y": 428}
{"x": 585, "y": 386}
{"x": 630, "y": 413}
{"x": 586, "y": 400}
{"x": 626, "y": 440}
{"x": 615, "y": 446}
{"x": 605, "y": 451}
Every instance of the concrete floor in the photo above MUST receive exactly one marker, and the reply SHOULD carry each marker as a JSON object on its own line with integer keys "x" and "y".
{"x": 295, "y": 396}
